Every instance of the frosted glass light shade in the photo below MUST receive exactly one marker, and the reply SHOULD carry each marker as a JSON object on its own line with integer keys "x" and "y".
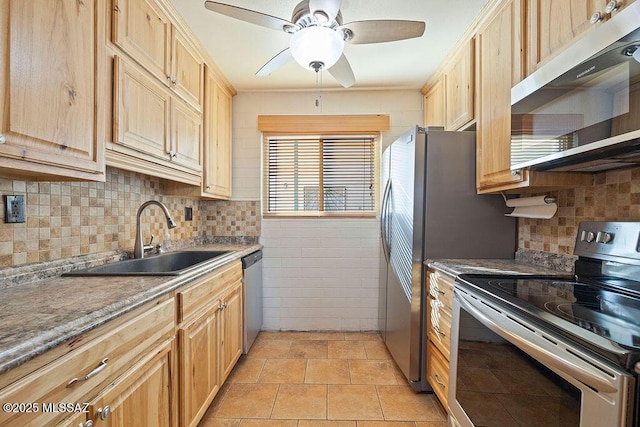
{"x": 316, "y": 44}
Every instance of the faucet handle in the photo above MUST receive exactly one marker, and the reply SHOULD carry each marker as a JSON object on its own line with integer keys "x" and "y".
{"x": 148, "y": 247}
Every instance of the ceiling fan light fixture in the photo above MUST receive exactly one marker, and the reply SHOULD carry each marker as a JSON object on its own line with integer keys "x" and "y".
{"x": 316, "y": 44}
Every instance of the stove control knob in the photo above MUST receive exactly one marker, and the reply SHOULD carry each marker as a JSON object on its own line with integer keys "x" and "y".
{"x": 604, "y": 237}
{"x": 587, "y": 236}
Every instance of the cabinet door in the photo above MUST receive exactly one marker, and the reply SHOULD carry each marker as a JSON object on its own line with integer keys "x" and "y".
{"x": 434, "y": 105}
{"x": 232, "y": 333}
{"x": 199, "y": 379}
{"x": 48, "y": 121}
{"x": 142, "y": 108}
{"x": 459, "y": 88}
{"x": 499, "y": 68}
{"x": 438, "y": 374}
{"x": 186, "y": 136}
{"x": 554, "y": 24}
{"x": 187, "y": 70}
{"x": 144, "y": 396}
{"x": 217, "y": 143}
{"x": 141, "y": 29}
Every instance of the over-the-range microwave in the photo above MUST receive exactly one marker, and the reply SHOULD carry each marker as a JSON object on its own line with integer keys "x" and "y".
{"x": 581, "y": 111}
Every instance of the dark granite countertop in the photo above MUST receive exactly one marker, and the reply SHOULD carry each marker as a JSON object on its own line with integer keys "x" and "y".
{"x": 455, "y": 267}
{"x": 40, "y": 315}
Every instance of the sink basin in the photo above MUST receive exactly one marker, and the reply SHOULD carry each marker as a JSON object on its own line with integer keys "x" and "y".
{"x": 168, "y": 264}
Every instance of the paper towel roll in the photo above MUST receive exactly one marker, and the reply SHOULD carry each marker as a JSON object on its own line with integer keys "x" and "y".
{"x": 538, "y": 207}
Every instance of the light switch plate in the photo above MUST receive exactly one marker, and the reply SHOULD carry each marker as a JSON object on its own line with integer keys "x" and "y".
{"x": 14, "y": 211}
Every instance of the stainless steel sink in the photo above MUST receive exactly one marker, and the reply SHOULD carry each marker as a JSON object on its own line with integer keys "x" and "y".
{"x": 168, "y": 264}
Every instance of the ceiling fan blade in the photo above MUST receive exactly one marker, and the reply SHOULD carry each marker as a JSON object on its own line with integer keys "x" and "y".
{"x": 276, "y": 62}
{"x": 385, "y": 30}
{"x": 342, "y": 72}
{"x": 251, "y": 16}
{"x": 330, "y": 8}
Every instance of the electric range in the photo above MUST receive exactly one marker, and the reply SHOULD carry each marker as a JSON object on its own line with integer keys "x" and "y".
{"x": 590, "y": 318}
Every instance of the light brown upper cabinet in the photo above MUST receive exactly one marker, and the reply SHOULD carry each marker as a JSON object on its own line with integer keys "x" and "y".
{"x": 217, "y": 142}
{"x": 50, "y": 54}
{"x": 434, "y": 104}
{"x": 153, "y": 127}
{"x": 554, "y": 24}
{"x": 499, "y": 48}
{"x": 459, "y": 88}
{"x": 143, "y": 30}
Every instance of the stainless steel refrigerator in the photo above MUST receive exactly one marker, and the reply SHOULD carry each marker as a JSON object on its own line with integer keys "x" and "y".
{"x": 430, "y": 210}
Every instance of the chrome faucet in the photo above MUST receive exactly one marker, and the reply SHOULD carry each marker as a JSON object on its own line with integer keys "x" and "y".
{"x": 139, "y": 248}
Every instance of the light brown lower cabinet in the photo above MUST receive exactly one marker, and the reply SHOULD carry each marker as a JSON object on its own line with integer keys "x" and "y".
{"x": 439, "y": 305}
{"x": 209, "y": 338}
{"x": 132, "y": 371}
{"x": 199, "y": 376}
{"x": 87, "y": 370}
{"x": 144, "y": 396}
{"x": 232, "y": 325}
{"x": 438, "y": 374}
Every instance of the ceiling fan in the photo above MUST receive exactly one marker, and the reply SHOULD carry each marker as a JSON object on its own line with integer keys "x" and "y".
{"x": 318, "y": 35}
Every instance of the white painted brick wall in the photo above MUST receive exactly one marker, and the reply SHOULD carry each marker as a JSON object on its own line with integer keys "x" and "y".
{"x": 319, "y": 274}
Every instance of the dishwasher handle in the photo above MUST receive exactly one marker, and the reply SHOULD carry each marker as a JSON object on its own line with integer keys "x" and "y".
{"x": 251, "y": 259}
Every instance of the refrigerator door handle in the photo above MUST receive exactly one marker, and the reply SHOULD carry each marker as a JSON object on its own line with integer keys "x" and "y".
{"x": 384, "y": 222}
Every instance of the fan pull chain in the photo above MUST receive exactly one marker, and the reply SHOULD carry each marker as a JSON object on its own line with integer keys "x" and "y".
{"x": 318, "y": 102}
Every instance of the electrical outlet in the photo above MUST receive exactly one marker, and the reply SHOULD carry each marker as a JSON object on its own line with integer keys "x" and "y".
{"x": 14, "y": 209}
{"x": 188, "y": 214}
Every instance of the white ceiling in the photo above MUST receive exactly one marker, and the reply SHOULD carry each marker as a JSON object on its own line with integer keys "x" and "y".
{"x": 240, "y": 49}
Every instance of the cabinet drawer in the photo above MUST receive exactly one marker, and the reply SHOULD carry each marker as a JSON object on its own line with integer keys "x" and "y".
{"x": 143, "y": 395}
{"x": 77, "y": 376}
{"x": 438, "y": 374}
{"x": 439, "y": 329}
{"x": 205, "y": 292}
{"x": 441, "y": 287}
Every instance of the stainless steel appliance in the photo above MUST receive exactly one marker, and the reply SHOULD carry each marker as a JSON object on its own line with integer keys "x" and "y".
{"x": 252, "y": 266}
{"x": 430, "y": 209}
{"x": 581, "y": 110}
{"x": 552, "y": 351}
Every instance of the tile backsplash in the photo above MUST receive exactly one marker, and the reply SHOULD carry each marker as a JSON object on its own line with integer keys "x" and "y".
{"x": 614, "y": 196}
{"x": 67, "y": 219}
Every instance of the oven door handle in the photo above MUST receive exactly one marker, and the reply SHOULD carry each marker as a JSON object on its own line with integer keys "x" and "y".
{"x": 499, "y": 325}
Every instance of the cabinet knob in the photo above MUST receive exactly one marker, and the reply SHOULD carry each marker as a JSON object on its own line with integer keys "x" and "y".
{"x": 612, "y": 6}
{"x": 103, "y": 413}
{"x": 596, "y": 17}
{"x": 209, "y": 187}
{"x": 2, "y": 139}
{"x": 86, "y": 424}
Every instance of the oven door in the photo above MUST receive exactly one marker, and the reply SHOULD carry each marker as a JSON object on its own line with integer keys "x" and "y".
{"x": 506, "y": 371}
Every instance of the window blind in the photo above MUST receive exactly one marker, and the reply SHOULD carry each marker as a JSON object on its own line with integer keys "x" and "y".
{"x": 329, "y": 174}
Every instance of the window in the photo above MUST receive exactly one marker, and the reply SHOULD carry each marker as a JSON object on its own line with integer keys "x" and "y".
{"x": 320, "y": 175}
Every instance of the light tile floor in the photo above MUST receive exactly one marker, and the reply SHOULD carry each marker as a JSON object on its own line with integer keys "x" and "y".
{"x": 320, "y": 379}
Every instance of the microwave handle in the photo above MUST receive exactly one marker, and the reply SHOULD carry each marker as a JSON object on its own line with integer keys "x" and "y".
{"x": 501, "y": 327}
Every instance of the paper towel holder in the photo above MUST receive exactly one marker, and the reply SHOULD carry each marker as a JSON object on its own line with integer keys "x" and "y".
{"x": 536, "y": 207}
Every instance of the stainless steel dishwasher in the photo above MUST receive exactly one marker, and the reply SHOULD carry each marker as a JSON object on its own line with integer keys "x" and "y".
{"x": 252, "y": 266}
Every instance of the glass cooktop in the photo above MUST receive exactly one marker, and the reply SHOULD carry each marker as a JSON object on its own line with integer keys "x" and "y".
{"x": 564, "y": 304}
